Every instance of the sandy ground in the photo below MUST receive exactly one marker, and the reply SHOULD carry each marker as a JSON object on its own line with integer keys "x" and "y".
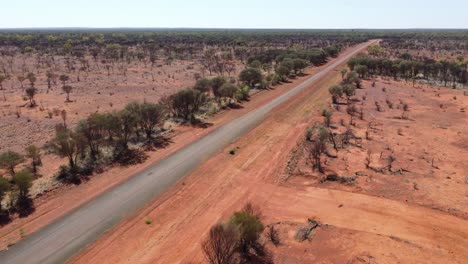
{"x": 63, "y": 199}
{"x": 358, "y": 226}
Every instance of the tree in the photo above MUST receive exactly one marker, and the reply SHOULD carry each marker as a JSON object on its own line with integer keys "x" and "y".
{"x": 187, "y": 102}
{"x": 336, "y": 92}
{"x": 4, "y": 188}
{"x": 319, "y": 147}
{"x": 349, "y": 91}
{"x": 21, "y": 79}
{"x": 67, "y": 89}
{"x": 64, "y": 78}
{"x": 251, "y": 76}
{"x": 34, "y": 153}
{"x": 282, "y": 71}
{"x": 361, "y": 70}
{"x": 31, "y": 92}
{"x": 299, "y": 65}
{"x": 221, "y": 245}
{"x": 250, "y": 227}
{"x": 126, "y": 124}
{"x": 203, "y": 85}
{"x": 216, "y": 83}
{"x": 327, "y": 117}
{"x": 150, "y": 116}
{"x": 343, "y": 73}
{"x": 67, "y": 144}
{"x": 2, "y": 79}
{"x": 32, "y": 78}
{"x": 9, "y": 160}
{"x": 23, "y": 181}
{"x": 228, "y": 90}
{"x": 92, "y": 130}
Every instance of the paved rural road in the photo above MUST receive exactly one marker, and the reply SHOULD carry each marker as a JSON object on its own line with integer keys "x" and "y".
{"x": 63, "y": 238}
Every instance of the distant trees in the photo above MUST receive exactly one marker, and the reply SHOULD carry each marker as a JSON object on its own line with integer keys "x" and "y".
{"x": 410, "y": 68}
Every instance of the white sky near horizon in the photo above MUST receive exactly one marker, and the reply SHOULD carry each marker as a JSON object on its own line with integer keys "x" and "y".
{"x": 236, "y": 13}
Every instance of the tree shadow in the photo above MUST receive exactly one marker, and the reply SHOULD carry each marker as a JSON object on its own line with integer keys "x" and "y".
{"x": 25, "y": 207}
{"x": 201, "y": 124}
{"x": 130, "y": 157}
{"x": 159, "y": 142}
{"x": 4, "y": 217}
{"x": 235, "y": 106}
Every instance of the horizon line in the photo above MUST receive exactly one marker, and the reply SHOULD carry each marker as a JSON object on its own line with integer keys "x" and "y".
{"x": 231, "y": 28}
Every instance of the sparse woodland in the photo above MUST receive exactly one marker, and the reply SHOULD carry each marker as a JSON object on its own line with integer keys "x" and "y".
{"x": 226, "y": 66}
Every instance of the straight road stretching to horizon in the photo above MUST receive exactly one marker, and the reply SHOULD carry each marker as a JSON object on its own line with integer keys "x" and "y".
{"x": 66, "y": 236}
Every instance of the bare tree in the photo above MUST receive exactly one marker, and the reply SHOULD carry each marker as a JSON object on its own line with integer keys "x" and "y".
{"x": 221, "y": 245}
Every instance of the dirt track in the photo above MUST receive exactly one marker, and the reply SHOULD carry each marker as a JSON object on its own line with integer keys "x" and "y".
{"x": 64, "y": 237}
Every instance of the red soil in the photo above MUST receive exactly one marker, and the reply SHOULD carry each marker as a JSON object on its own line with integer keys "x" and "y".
{"x": 62, "y": 199}
{"x": 358, "y": 226}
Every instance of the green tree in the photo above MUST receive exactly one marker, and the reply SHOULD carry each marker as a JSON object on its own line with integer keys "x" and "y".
{"x": 216, "y": 83}
{"x": 23, "y": 181}
{"x": 203, "y": 85}
{"x": 228, "y": 90}
{"x": 9, "y": 160}
{"x": 299, "y": 65}
{"x": 34, "y": 153}
{"x": 336, "y": 92}
{"x": 249, "y": 227}
{"x": 251, "y": 76}
{"x": 187, "y": 102}
{"x": 327, "y": 115}
{"x": 283, "y": 72}
{"x": 67, "y": 144}
{"x": 151, "y": 116}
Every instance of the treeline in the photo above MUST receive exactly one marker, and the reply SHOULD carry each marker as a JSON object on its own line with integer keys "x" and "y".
{"x": 45, "y": 40}
{"x": 410, "y": 69}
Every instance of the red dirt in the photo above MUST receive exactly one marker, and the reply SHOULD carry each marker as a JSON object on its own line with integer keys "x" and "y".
{"x": 63, "y": 198}
{"x": 357, "y": 225}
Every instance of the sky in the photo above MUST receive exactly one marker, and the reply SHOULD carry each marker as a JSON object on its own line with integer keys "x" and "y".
{"x": 235, "y": 13}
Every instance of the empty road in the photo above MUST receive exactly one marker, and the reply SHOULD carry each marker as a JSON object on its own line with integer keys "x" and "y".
{"x": 63, "y": 238}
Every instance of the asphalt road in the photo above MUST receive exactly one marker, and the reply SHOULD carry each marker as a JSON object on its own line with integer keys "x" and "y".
{"x": 66, "y": 236}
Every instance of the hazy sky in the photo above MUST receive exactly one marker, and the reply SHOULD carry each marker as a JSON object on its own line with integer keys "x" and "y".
{"x": 236, "y": 13}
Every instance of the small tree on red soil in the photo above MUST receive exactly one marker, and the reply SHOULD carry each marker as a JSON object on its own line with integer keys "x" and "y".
{"x": 34, "y": 153}
{"x": 67, "y": 89}
{"x": 9, "y": 160}
{"x": 30, "y": 93}
{"x": 221, "y": 245}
